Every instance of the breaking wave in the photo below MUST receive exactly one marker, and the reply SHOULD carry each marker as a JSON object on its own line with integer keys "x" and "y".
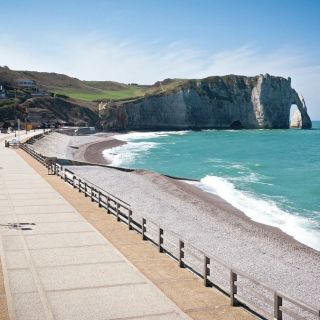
{"x": 128, "y": 153}
{"x": 264, "y": 210}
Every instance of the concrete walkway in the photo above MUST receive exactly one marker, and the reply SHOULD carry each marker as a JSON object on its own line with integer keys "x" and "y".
{"x": 62, "y": 267}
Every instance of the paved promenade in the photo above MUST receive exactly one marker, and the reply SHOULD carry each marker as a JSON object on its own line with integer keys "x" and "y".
{"x": 62, "y": 267}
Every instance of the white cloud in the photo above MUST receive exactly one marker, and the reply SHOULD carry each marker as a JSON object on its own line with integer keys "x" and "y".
{"x": 92, "y": 57}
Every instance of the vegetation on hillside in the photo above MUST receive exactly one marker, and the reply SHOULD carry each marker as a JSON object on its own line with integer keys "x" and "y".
{"x": 88, "y": 95}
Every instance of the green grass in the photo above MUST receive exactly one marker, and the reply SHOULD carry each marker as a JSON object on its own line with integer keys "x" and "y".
{"x": 6, "y": 102}
{"x": 102, "y": 94}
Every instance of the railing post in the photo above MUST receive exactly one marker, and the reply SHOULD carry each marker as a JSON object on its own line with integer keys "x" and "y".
{"x": 61, "y": 172}
{"x": 118, "y": 214}
{"x": 181, "y": 254}
{"x": 143, "y": 228}
{"x": 79, "y": 181}
{"x": 85, "y": 189}
{"x": 233, "y": 288}
{"x": 74, "y": 181}
{"x": 65, "y": 176}
{"x": 160, "y": 240}
{"x": 107, "y": 199}
{"x": 277, "y": 313}
{"x": 206, "y": 270}
{"x": 129, "y": 219}
{"x": 99, "y": 199}
{"x": 91, "y": 194}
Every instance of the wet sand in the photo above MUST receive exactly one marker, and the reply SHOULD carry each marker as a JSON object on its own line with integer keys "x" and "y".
{"x": 94, "y": 152}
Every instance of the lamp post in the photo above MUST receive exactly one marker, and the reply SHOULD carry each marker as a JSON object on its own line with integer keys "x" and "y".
{"x": 15, "y": 112}
{"x": 26, "y": 121}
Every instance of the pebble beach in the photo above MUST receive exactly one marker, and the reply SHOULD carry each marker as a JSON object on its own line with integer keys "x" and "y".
{"x": 203, "y": 219}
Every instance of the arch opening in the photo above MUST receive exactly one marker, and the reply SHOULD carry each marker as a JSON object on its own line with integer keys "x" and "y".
{"x": 295, "y": 119}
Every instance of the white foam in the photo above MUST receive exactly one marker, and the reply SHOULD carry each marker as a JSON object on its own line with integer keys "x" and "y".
{"x": 263, "y": 210}
{"x": 126, "y": 154}
{"x": 132, "y": 136}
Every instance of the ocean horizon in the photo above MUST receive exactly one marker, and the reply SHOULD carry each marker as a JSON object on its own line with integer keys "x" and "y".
{"x": 271, "y": 175}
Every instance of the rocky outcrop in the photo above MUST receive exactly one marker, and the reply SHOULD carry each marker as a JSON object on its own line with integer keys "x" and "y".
{"x": 259, "y": 102}
{"x": 49, "y": 110}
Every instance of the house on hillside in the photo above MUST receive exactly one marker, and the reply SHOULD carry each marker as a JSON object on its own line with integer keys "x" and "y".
{"x": 2, "y": 92}
{"x": 27, "y": 83}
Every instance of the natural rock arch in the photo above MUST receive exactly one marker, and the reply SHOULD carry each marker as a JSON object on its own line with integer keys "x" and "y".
{"x": 295, "y": 117}
{"x": 304, "y": 122}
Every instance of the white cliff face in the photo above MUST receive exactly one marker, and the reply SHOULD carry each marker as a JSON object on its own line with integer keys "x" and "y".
{"x": 256, "y": 101}
{"x": 272, "y": 98}
{"x": 225, "y": 102}
{"x": 296, "y": 121}
{"x": 301, "y": 104}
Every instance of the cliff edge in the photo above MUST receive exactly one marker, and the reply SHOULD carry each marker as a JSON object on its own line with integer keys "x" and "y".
{"x": 236, "y": 102}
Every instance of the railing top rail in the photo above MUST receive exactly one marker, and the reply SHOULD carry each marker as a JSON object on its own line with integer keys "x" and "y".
{"x": 299, "y": 303}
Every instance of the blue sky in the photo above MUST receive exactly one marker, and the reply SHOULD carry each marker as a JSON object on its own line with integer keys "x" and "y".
{"x": 145, "y": 41}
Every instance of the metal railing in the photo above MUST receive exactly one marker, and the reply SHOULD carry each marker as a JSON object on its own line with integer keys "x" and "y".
{"x": 244, "y": 290}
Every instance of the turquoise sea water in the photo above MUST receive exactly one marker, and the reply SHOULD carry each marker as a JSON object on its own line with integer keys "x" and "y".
{"x": 271, "y": 175}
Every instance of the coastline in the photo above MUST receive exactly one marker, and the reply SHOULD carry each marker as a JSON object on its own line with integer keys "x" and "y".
{"x": 207, "y": 220}
{"x": 215, "y": 227}
{"x": 94, "y": 152}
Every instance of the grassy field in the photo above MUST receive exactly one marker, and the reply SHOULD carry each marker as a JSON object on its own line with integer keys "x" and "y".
{"x": 126, "y": 93}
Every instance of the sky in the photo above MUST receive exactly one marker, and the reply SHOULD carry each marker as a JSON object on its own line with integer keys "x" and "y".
{"x": 144, "y": 41}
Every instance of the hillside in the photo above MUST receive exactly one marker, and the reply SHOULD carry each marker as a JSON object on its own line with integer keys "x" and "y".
{"x": 73, "y": 87}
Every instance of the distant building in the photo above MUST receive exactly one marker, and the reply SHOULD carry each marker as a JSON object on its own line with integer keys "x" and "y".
{"x": 2, "y": 92}
{"x": 27, "y": 83}
{"x": 84, "y": 130}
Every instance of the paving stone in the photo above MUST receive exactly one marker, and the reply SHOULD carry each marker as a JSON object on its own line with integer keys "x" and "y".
{"x": 76, "y": 255}
{"x": 6, "y": 210}
{"x": 12, "y": 243}
{"x": 50, "y": 217}
{"x": 37, "y": 202}
{"x": 47, "y": 195}
{"x": 5, "y": 203}
{"x": 16, "y": 259}
{"x": 63, "y": 240}
{"x": 58, "y": 227}
{"x": 21, "y": 281}
{"x": 7, "y": 218}
{"x": 44, "y": 209}
{"x": 28, "y": 306}
{"x": 91, "y": 275}
{"x": 17, "y": 191}
{"x": 105, "y": 303}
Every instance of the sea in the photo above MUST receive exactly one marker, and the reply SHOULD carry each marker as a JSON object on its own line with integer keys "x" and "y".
{"x": 273, "y": 176}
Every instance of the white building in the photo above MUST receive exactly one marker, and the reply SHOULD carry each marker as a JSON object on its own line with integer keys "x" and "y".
{"x": 2, "y": 92}
{"x": 26, "y": 83}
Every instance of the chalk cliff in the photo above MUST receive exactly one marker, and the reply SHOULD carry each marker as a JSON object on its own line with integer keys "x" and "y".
{"x": 232, "y": 101}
